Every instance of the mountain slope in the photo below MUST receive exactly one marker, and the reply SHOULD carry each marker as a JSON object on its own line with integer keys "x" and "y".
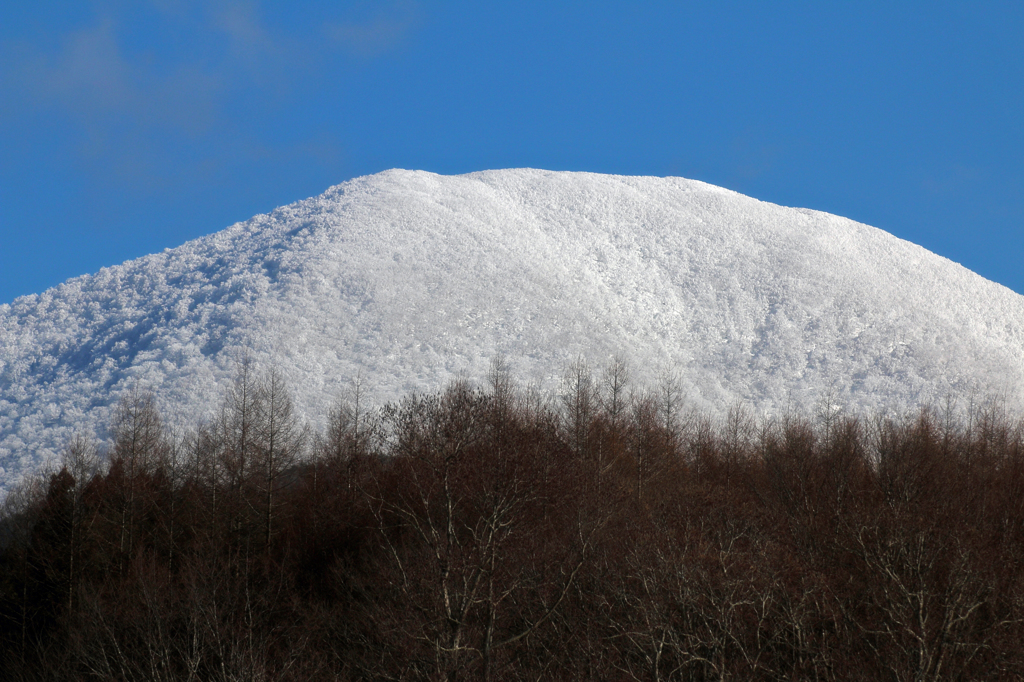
{"x": 410, "y": 279}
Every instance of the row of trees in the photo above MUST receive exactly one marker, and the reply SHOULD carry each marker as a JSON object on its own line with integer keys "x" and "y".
{"x": 494, "y": 534}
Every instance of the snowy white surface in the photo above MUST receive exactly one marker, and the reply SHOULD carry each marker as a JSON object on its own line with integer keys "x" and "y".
{"x": 410, "y": 278}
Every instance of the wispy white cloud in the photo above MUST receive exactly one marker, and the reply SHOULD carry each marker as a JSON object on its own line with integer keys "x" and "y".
{"x": 249, "y": 39}
{"x": 135, "y": 83}
{"x": 91, "y": 78}
{"x": 382, "y": 34}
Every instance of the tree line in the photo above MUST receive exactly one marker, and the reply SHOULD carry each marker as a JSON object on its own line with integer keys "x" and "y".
{"x": 497, "y": 534}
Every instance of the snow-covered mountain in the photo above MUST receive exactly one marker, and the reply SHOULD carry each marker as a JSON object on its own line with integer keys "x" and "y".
{"x": 410, "y": 279}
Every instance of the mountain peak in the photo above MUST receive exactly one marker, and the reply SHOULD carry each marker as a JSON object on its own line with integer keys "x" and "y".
{"x": 409, "y": 279}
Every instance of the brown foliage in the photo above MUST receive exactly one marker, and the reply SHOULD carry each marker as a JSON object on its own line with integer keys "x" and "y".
{"x": 487, "y": 534}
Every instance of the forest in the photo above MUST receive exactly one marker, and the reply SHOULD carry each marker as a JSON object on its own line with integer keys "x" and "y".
{"x": 494, "y": 533}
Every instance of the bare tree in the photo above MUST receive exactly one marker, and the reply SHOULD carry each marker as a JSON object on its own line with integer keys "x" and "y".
{"x": 81, "y": 461}
{"x": 279, "y": 440}
{"x": 350, "y": 426}
{"x": 138, "y": 441}
{"x": 670, "y": 400}
{"x": 927, "y": 604}
{"x": 237, "y": 425}
{"x": 578, "y": 403}
{"x": 501, "y": 383}
{"x": 614, "y": 382}
{"x": 829, "y": 410}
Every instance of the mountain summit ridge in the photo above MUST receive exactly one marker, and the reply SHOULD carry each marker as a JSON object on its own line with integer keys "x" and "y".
{"x": 409, "y": 279}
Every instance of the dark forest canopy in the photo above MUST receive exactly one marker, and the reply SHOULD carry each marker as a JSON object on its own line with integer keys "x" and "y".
{"x": 493, "y": 534}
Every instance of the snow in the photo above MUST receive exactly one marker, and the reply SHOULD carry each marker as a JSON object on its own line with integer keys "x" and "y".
{"x": 410, "y": 279}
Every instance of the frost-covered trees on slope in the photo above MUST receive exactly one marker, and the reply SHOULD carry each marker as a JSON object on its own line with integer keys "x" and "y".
{"x": 410, "y": 280}
{"x": 495, "y": 534}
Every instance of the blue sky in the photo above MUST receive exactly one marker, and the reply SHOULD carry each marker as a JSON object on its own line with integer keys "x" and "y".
{"x": 129, "y": 127}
